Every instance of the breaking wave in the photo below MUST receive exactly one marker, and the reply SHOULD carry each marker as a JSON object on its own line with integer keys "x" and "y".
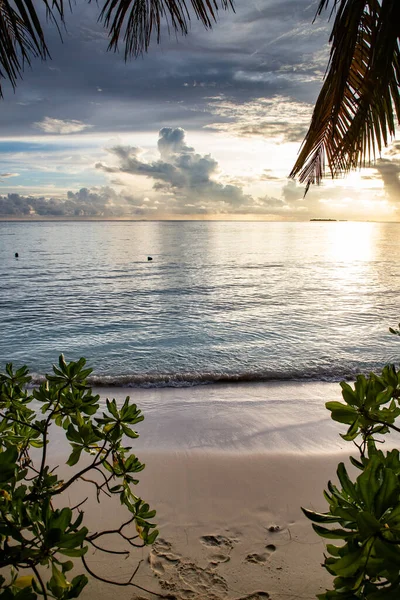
{"x": 182, "y": 380}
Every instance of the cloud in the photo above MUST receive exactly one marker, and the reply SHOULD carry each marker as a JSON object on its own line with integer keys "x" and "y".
{"x": 292, "y": 192}
{"x": 50, "y": 125}
{"x": 95, "y": 202}
{"x": 389, "y": 171}
{"x": 184, "y": 179}
{"x": 264, "y": 49}
{"x": 172, "y": 141}
{"x": 7, "y": 175}
{"x": 277, "y": 117}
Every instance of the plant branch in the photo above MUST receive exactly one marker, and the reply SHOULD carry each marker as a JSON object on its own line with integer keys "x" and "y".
{"x": 26, "y": 424}
{"x": 34, "y": 569}
{"x": 118, "y": 531}
{"x": 120, "y": 583}
{"x": 126, "y": 552}
{"x": 46, "y": 427}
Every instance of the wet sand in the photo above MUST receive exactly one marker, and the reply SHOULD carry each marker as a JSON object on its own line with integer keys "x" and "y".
{"x": 227, "y": 469}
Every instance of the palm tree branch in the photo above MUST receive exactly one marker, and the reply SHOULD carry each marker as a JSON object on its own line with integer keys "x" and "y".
{"x": 22, "y": 36}
{"x": 374, "y": 122}
{"x": 139, "y": 19}
{"x": 353, "y": 116}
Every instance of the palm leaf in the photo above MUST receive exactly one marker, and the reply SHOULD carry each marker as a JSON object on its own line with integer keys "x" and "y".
{"x": 354, "y": 114}
{"x": 138, "y": 19}
{"x": 21, "y": 35}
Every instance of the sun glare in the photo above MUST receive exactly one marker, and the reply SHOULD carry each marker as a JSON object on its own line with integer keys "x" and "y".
{"x": 350, "y": 242}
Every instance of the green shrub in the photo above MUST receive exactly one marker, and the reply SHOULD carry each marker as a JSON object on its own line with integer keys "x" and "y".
{"x": 35, "y": 535}
{"x": 364, "y": 513}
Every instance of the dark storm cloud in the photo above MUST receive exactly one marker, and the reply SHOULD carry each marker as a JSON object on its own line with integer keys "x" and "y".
{"x": 248, "y": 55}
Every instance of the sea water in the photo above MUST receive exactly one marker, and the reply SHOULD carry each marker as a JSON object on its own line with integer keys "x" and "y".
{"x": 219, "y": 302}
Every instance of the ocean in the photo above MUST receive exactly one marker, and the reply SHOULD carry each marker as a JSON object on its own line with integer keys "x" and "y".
{"x": 221, "y": 302}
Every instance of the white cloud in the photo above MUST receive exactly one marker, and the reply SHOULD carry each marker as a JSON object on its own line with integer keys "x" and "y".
{"x": 182, "y": 178}
{"x": 7, "y": 175}
{"x": 50, "y": 125}
{"x": 278, "y": 117}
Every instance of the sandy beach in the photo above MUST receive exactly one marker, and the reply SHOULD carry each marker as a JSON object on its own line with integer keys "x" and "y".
{"x": 230, "y": 527}
{"x": 227, "y": 482}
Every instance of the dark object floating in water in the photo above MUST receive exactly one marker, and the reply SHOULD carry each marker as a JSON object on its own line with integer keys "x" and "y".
{"x": 16, "y": 255}
{"x": 149, "y": 258}
{"x": 323, "y": 219}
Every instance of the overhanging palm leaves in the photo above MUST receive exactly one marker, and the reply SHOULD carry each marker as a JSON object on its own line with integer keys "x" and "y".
{"x": 354, "y": 116}
{"x": 21, "y": 34}
{"x": 138, "y": 19}
{"x": 22, "y": 37}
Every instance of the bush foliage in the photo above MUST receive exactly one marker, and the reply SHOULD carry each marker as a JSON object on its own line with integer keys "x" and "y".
{"x": 35, "y": 536}
{"x": 364, "y": 511}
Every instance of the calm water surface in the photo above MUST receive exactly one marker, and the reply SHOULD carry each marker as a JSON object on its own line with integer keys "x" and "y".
{"x": 221, "y": 301}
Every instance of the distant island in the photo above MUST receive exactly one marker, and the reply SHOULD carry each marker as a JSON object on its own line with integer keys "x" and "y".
{"x": 323, "y": 219}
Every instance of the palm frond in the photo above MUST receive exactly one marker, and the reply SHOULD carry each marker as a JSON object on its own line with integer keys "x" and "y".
{"x": 22, "y": 36}
{"x": 354, "y": 114}
{"x": 137, "y": 20}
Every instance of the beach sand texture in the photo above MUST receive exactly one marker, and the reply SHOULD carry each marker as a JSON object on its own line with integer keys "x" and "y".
{"x": 231, "y": 528}
{"x": 227, "y": 480}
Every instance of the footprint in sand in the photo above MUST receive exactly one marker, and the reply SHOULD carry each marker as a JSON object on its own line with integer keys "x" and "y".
{"x": 216, "y": 559}
{"x": 261, "y": 558}
{"x": 217, "y": 541}
{"x": 202, "y": 581}
{"x": 161, "y": 557}
{"x": 185, "y": 580}
{"x": 258, "y": 559}
{"x": 256, "y": 596}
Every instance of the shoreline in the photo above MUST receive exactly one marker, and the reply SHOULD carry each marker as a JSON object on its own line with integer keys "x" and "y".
{"x": 228, "y": 475}
{"x": 227, "y": 482}
{"x": 246, "y": 417}
{"x": 235, "y": 419}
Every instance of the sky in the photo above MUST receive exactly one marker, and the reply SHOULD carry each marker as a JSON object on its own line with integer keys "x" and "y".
{"x": 206, "y": 126}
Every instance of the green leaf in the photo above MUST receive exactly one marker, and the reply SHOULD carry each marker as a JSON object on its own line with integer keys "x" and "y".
{"x": 75, "y": 455}
{"x": 319, "y": 517}
{"x": 352, "y": 432}
{"x": 349, "y": 564}
{"x": 388, "y": 552}
{"x": 350, "y": 396}
{"x": 347, "y": 485}
{"x": 388, "y": 493}
{"x": 341, "y": 412}
{"x": 384, "y": 396}
{"x": 356, "y": 463}
{"x": 129, "y": 432}
{"x": 368, "y": 484}
{"x": 58, "y": 576}
{"x": 151, "y": 538}
{"x": 112, "y": 407}
{"x": 71, "y": 540}
{"x": 332, "y": 534}
{"x": 77, "y": 585}
{"x": 333, "y": 550}
{"x": 74, "y": 552}
{"x": 368, "y": 525}
{"x": 388, "y": 592}
{"x": 8, "y": 463}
